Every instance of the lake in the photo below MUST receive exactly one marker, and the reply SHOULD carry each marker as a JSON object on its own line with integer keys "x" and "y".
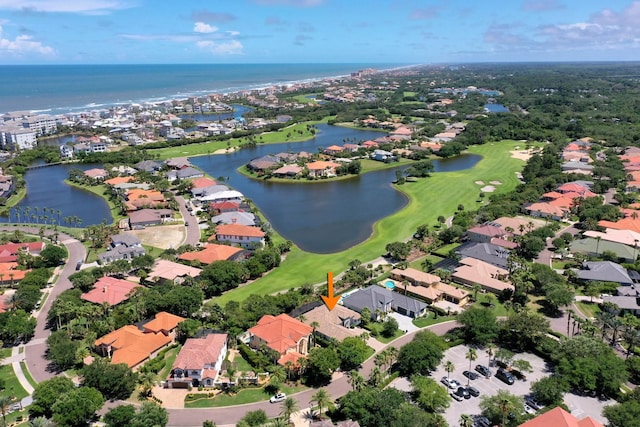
{"x": 46, "y": 189}
{"x": 321, "y": 217}
{"x": 495, "y": 108}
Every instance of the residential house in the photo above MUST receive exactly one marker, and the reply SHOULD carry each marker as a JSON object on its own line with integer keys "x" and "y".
{"x": 188, "y": 172}
{"x": 427, "y": 287}
{"x": 625, "y": 304}
{"x": 604, "y": 271}
{"x": 131, "y": 346}
{"x": 199, "y": 362}
{"x": 381, "y": 300}
{"x": 9, "y": 251}
{"x": 283, "y": 334}
{"x": 146, "y": 217}
{"x": 370, "y": 144}
{"x": 148, "y": 166}
{"x": 118, "y": 180}
{"x": 207, "y": 191}
{"x": 137, "y": 198}
{"x": 338, "y": 323}
{"x": 546, "y": 210}
{"x": 288, "y": 171}
{"x": 96, "y": 173}
{"x": 577, "y": 167}
{"x": 242, "y": 235}
{"x": 263, "y": 163}
{"x": 122, "y": 246}
{"x": 382, "y": 156}
{"x": 487, "y": 252}
{"x": 595, "y": 247}
{"x": 110, "y": 290}
{"x": 486, "y": 232}
{"x": 332, "y": 150}
{"x": 558, "y": 417}
{"x": 471, "y": 272}
{"x": 320, "y": 168}
{"x": 217, "y": 208}
{"x": 351, "y": 147}
{"x": 164, "y": 323}
{"x": 172, "y": 271}
{"x": 221, "y": 196}
{"x": 213, "y": 252}
{"x": 178, "y": 163}
{"x": 198, "y": 185}
{"x": 242, "y": 218}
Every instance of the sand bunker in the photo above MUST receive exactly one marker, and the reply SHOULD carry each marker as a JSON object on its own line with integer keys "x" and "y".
{"x": 480, "y": 182}
{"x": 521, "y": 155}
{"x": 495, "y": 182}
{"x": 488, "y": 189}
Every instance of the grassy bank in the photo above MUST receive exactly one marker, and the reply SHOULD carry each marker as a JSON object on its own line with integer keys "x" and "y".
{"x": 293, "y": 133}
{"x": 103, "y": 192}
{"x": 437, "y": 195}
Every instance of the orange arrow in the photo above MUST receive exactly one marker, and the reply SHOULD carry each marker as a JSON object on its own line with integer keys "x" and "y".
{"x": 330, "y": 300}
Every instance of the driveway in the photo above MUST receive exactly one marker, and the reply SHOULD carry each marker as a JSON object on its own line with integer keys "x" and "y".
{"x": 405, "y": 323}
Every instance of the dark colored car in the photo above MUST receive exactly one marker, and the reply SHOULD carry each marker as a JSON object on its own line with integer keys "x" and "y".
{"x": 483, "y": 422}
{"x": 462, "y": 392}
{"x": 473, "y": 391}
{"x": 470, "y": 374}
{"x": 483, "y": 370}
{"x": 505, "y": 376}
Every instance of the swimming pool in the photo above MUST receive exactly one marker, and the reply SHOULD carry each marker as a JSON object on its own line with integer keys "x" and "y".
{"x": 390, "y": 284}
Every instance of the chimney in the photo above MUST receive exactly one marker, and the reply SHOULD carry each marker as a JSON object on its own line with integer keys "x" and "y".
{"x": 104, "y": 289}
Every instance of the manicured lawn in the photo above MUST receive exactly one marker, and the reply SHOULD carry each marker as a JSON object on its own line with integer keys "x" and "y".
{"x": 444, "y": 250}
{"x": 423, "y": 322}
{"x": 371, "y": 326}
{"x": 27, "y": 374}
{"x": 241, "y": 364}
{"x": 248, "y": 395}
{"x": 287, "y": 134}
{"x": 12, "y": 385}
{"x": 4, "y": 353}
{"x": 169, "y": 358}
{"x": 430, "y": 197}
{"x": 587, "y": 308}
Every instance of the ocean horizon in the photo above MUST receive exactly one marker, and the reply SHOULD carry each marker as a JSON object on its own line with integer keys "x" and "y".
{"x": 60, "y": 89}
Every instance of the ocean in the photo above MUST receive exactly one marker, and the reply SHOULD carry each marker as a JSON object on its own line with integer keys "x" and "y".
{"x": 58, "y": 89}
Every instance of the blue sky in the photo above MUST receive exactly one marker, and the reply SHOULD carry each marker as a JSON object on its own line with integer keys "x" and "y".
{"x": 316, "y": 31}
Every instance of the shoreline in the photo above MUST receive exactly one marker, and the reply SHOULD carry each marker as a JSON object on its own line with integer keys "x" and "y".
{"x": 102, "y": 105}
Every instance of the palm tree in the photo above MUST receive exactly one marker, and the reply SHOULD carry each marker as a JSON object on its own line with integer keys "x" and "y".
{"x": 278, "y": 376}
{"x": 314, "y": 325}
{"x": 449, "y": 367}
{"x": 147, "y": 381}
{"x": 40, "y": 422}
{"x": 5, "y": 405}
{"x": 466, "y": 420}
{"x": 322, "y": 399}
{"x": 506, "y": 407}
{"x": 355, "y": 380}
{"x": 288, "y": 407}
{"x": 570, "y": 313}
{"x": 490, "y": 350}
{"x": 472, "y": 355}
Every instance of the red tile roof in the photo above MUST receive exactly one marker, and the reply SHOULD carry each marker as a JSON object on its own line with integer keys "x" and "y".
{"x": 203, "y": 182}
{"x": 131, "y": 346}
{"x": 212, "y": 252}
{"x": 198, "y": 352}
{"x": 110, "y": 290}
{"x": 164, "y": 322}
{"x": 238, "y": 230}
{"x": 281, "y": 333}
{"x": 558, "y": 417}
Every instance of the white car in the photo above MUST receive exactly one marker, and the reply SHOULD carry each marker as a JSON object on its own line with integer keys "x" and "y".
{"x": 278, "y": 398}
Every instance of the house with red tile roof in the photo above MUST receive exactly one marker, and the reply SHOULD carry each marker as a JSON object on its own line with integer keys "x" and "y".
{"x": 163, "y": 323}
{"x": 321, "y": 168}
{"x": 281, "y": 333}
{"x": 10, "y": 274}
{"x": 288, "y": 171}
{"x": 333, "y": 150}
{"x": 370, "y": 144}
{"x": 558, "y": 417}
{"x": 96, "y": 173}
{"x": 131, "y": 346}
{"x": 119, "y": 180}
{"x": 199, "y": 362}
{"x": 172, "y": 271}
{"x": 224, "y": 206}
{"x": 9, "y": 251}
{"x": 211, "y": 253}
{"x": 246, "y": 236}
{"x": 485, "y": 232}
{"x": 202, "y": 182}
{"x": 546, "y": 210}
{"x": 110, "y": 290}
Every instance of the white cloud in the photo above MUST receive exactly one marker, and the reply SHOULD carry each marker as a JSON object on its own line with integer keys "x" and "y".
{"x": 24, "y": 44}
{"x": 201, "y": 27}
{"x": 89, "y": 7}
{"x": 231, "y": 47}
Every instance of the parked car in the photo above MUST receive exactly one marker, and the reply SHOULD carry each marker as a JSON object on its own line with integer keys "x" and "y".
{"x": 528, "y": 409}
{"x": 456, "y": 396}
{"x": 278, "y": 398}
{"x": 470, "y": 374}
{"x": 452, "y": 384}
{"x": 534, "y": 403}
{"x": 505, "y": 376}
{"x": 473, "y": 391}
{"x": 463, "y": 392}
{"x": 483, "y": 370}
{"x": 482, "y": 421}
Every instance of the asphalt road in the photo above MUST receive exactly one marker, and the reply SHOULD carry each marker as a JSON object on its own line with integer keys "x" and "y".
{"x": 36, "y": 348}
{"x": 193, "y": 231}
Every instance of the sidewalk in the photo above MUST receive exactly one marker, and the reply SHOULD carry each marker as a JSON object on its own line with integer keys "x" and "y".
{"x": 16, "y": 358}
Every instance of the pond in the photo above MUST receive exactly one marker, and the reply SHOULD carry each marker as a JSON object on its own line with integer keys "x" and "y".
{"x": 46, "y": 189}
{"x": 321, "y": 217}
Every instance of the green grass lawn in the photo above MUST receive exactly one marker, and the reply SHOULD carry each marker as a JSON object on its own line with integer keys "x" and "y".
{"x": 248, "y": 395}
{"x": 444, "y": 250}
{"x": 430, "y": 197}
{"x": 4, "y": 353}
{"x": 241, "y": 364}
{"x": 27, "y": 374}
{"x": 169, "y": 358}
{"x": 429, "y": 320}
{"x": 287, "y": 134}
{"x": 589, "y": 309}
{"x": 372, "y": 326}
{"x": 12, "y": 385}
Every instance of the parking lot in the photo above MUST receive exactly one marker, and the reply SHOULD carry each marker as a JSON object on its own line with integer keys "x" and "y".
{"x": 486, "y": 386}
